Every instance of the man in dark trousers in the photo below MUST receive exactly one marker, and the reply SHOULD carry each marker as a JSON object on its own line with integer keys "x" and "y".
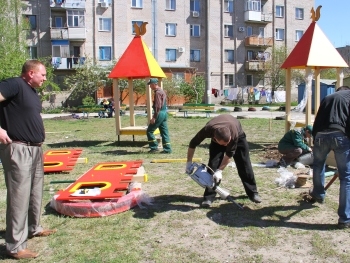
{"x": 331, "y": 131}
{"x": 292, "y": 145}
{"x": 159, "y": 119}
{"x": 21, "y": 136}
{"x": 228, "y": 140}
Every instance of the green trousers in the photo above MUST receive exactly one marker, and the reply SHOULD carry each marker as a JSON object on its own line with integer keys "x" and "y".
{"x": 162, "y": 124}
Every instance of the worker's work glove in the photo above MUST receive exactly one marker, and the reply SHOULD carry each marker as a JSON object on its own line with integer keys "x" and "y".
{"x": 189, "y": 167}
{"x": 217, "y": 176}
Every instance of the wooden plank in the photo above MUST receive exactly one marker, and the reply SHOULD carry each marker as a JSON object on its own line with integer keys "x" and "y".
{"x": 184, "y": 160}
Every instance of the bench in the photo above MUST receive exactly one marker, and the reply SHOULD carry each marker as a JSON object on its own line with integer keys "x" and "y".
{"x": 102, "y": 113}
{"x": 197, "y": 107}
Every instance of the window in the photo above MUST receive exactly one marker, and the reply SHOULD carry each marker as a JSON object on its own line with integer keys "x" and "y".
{"x": 105, "y": 24}
{"x": 228, "y": 30}
{"x": 249, "y": 80}
{"x": 58, "y": 22}
{"x": 170, "y": 4}
{"x": 76, "y": 18}
{"x": 250, "y": 55}
{"x": 279, "y": 11}
{"x": 299, "y": 13}
{"x": 195, "y": 30}
{"x": 170, "y": 54}
{"x": 279, "y": 34}
{"x": 60, "y": 51}
{"x": 261, "y": 83}
{"x": 194, "y": 5}
{"x": 33, "y": 52}
{"x": 298, "y": 34}
{"x": 136, "y": 3}
{"x": 139, "y": 23}
{"x": 229, "y": 55}
{"x": 228, "y": 6}
{"x": 261, "y": 32}
{"x": 249, "y": 31}
{"x": 229, "y": 80}
{"x": 195, "y": 55}
{"x": 253, "y": 5}
{"x": 170, "y": 30}
{"x": 105, "y": 53}
{"x": 178, "y": 75}
{"x": 32, "y": 21}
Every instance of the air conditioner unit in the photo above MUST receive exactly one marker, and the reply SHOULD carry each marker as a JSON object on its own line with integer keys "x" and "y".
{"x": 241, "y": 29}
{"x": 104, "y": 5}
{"x": 195, "y": 13}
{"x": 181, "y": 49}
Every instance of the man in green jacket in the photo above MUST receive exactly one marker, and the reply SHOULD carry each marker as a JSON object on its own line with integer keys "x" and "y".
{"x": 292, "y": 145}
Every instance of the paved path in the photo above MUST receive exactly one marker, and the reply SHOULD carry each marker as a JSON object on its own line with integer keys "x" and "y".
{"x": 259, "y": 113}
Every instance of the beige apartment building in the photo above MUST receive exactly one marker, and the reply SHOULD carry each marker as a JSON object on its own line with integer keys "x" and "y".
{"x": 226, "y": 41}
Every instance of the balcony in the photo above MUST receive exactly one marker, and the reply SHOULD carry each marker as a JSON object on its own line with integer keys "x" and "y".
{"x": 257, "y": 17}
{"x": 77, "y": 4}
{"x": 254, "y": 65}
{"x": 258, "y": 41}
{"x": 67, "y": 63}
{"x": 71, "y": 33}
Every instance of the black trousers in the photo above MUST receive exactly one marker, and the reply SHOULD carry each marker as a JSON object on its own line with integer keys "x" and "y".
{"x": 243, "y": 164}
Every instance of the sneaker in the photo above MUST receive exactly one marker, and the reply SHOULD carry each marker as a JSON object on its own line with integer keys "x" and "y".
{"x": 343, "y": 225}
{"x": 206, "y": 203}
{"x": 166, "y": 152}
{"x": 255, "y": 198}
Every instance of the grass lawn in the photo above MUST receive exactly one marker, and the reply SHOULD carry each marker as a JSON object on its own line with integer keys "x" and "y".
{"x": 283, "y": 228}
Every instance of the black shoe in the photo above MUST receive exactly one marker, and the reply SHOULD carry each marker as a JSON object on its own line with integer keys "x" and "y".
{"x": 282, "y": 163}
{"x": 314, "y": 199}
{"x": 343, "y": 225}
{"x": 153, "y": 151}
{"x": 255, "y": 198}
{"x": 166, "y": 152}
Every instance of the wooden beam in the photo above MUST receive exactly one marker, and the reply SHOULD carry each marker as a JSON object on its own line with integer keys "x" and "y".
{"x": 175, "y": 160}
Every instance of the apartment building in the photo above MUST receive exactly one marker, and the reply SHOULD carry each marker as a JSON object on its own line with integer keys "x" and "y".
{"x": 227, "y": 41}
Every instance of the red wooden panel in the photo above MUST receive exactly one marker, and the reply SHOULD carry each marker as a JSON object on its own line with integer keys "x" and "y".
{"x": 112, "y": 178}
{"x": 60, "y": 160}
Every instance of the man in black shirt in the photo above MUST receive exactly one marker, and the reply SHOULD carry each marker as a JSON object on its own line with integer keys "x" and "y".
{"x": 331, "y": 131}
{"x": 21, "y": 136}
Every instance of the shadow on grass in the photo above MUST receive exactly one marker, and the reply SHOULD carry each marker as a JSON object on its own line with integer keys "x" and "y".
{"x": 271, "y": 216}
{"x": 97, "y": 143}
{"x": 228, "y": 214}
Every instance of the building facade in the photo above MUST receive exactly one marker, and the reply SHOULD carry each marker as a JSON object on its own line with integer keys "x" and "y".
{"x": 226, "y": 41}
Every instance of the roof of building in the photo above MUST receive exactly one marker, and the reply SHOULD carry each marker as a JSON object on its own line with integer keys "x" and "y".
{"x": 314, "y": 50}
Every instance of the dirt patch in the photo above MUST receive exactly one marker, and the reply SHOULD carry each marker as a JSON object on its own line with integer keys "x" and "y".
{"x": 271, "y": 152}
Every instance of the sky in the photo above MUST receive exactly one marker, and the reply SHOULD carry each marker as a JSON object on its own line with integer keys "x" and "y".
{"x": 334, "y": 21}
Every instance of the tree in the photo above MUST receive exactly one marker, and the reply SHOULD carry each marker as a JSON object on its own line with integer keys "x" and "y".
{"x": 13, "y": 32}
{"x": 87, "y": 79}
{"x": 330, "y": 73}
{"x": 171, "y": 87}
{"x": 273, "y": 75}
{"x": 194, "y": 90}
{"x": 139, "y": 88}
{"x": 49, "y": 87}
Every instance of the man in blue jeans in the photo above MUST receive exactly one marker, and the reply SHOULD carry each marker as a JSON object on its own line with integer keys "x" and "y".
{"x": 331, "y": 132}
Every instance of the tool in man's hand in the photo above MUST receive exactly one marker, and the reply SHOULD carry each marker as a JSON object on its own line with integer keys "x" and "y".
{"x": 198, "y": 172}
